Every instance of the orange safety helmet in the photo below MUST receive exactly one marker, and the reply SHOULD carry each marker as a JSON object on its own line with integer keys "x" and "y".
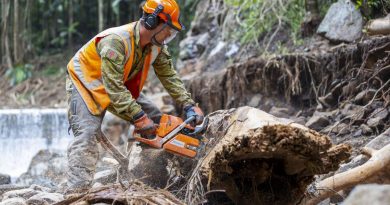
{"x": 170, "y": 13}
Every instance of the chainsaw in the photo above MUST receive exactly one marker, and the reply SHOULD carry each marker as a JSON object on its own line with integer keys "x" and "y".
{"x": 177, "y": 136}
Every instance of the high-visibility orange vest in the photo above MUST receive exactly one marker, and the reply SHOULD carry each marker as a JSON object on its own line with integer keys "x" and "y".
{"x": 86, "y": 74}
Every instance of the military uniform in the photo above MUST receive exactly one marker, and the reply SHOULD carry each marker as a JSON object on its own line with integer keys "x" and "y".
{"x": 83, "y": 151}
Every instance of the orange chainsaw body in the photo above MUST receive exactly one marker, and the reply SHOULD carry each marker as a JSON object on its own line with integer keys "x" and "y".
{"x": 180, "y": 143}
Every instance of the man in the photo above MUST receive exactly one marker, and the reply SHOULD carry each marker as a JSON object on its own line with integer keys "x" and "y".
{"x": 108, "y": 73}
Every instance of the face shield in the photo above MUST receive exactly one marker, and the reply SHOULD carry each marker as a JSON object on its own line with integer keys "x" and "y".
{"x": 172, "y": 35}
{"x": 169, "y": 34}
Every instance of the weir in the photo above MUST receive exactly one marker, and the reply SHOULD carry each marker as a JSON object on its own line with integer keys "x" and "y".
{"x": 23, "y": 132}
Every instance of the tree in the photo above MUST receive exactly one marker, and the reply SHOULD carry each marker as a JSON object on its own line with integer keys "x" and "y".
{"x": 101, "y": 18}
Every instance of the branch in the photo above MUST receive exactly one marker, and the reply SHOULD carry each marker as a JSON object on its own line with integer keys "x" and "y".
{"x": 366, "y": 173}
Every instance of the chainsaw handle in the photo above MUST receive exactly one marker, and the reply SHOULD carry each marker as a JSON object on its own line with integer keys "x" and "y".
{"x": 189, "y": 120}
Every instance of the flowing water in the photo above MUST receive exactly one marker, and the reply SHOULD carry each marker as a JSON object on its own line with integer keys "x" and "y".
{"x": 23, "y": 132}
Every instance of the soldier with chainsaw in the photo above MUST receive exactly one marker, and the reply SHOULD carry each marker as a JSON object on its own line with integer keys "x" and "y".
{"x": 108, "y": 73}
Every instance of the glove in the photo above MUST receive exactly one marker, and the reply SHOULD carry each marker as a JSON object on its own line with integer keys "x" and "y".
{"x": 144, "y": 125}
{"x": 192, "y": 110}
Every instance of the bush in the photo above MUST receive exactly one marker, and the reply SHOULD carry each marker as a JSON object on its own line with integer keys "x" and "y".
{"x": 19, "y": 73}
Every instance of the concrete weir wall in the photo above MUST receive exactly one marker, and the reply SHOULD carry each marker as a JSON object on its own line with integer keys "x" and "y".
{"x": 23, "y": 132}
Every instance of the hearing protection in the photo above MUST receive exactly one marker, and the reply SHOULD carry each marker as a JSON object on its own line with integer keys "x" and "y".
{"x": 151, "y": 21}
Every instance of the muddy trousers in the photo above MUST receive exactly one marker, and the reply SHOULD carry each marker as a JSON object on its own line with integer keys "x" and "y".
{"x": 83, "y": 151}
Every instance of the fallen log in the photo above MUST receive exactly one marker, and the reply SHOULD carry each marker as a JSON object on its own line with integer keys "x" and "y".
{"x": 379, "y": 26}
{"x": 260, "y": 159}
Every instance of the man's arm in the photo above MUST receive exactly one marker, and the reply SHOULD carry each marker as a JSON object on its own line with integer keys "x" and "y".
{"x": 112, "y": 53}
{"x": 169, "y": 78}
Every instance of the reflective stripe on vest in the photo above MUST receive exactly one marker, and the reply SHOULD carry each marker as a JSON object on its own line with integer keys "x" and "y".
{"x": 85, "y": 68}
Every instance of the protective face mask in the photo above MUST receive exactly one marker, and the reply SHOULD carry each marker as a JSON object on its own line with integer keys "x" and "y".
{"x": 172, "y": 35}
{"x": 168, "y": 39}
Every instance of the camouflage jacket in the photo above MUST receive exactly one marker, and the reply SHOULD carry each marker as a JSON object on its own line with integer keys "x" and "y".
{"x": 122, "y": 102}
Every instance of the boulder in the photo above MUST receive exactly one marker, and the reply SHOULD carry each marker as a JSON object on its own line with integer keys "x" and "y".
{"x": 5, "y": 179}
{"x": 281, "y": 112}
{"x": 47, "y": 168}
{"x": 22, "y": 193}
{"x": 342, "y": 23}
{"x": 372, "y": 194}
{"x": 352, "y": 110}
{"x": 377, "y": 117}
{"x": 318, "y": 122}
{"x": 44, "y": 198}
{"x": 13, "y": 201}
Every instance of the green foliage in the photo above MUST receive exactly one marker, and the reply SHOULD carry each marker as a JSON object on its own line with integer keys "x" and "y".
{"x": 19, "y": 73}
{"x": 52, "y": 70}
{"x": 373, "y": 8}
{"x": 65, "y": 31}
{"x": 256, "y": 17}
{"x": 369, "y": 3}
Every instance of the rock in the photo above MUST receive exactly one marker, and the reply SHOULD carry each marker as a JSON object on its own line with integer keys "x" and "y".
{"x": 357, "y": 161}
{"x": 343, "y": 22}
{"x": 44, "y": 198}
{"x": 356, "y": 112}
{"x": 105, "y": 177}
{"x": 341, "y": 128}
{"x": 22, "y": 193}
{"x": 318, "y": 121}
{"x": 47, "y": 168}
{"x": 377, "y": 117}
{"x": 372, "y": 194}
{"x": 281, "y": 112}
{"x": 366, "y": 130}
{"x": 232, "y": 50}
{"x": 380, "y": 141}
{"x": 364, "y": 96}
{"x": 255, "y": 100}
{"x": 300, "y": 120}
{"x": 193, "y": 46}
{"x": 5, "y": 179}
{"x": 13, "y": 201}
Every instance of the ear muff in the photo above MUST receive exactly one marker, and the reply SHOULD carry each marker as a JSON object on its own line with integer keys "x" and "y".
{"x": 151, "y": 20}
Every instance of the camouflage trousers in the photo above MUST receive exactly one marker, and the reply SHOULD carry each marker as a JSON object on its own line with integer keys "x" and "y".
{"x": 83, "y": 151}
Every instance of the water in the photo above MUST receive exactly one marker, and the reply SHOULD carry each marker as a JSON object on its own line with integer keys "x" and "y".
{"x": 23, "y": 132}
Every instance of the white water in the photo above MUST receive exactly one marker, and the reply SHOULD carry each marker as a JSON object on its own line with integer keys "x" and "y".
{"x": 23, "y": 132}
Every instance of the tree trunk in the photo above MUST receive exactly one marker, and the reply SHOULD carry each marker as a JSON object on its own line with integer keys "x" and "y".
{"x": 260, "y": 159}
{"x": 5, "y": 40}
{"x": 16, "y": 34}
{"x": 70, "y": 24}
{"x": 101, "y": 17}
{"x": 255, "y": 157}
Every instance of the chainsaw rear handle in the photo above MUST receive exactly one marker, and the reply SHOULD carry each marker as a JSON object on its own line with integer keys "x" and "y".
{"x": 189, "y": 120}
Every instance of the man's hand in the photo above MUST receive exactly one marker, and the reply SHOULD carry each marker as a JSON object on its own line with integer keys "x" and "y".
{"x": 144, "y": 125}
{"x": 192, "y": 110}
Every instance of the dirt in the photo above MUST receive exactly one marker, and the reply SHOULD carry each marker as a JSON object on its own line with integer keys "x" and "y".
{"x": 325, "y": 82}
{"x": 44, "y": 89}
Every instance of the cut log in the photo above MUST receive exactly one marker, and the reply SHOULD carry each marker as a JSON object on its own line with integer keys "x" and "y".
{"x": 260, "y": 159}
